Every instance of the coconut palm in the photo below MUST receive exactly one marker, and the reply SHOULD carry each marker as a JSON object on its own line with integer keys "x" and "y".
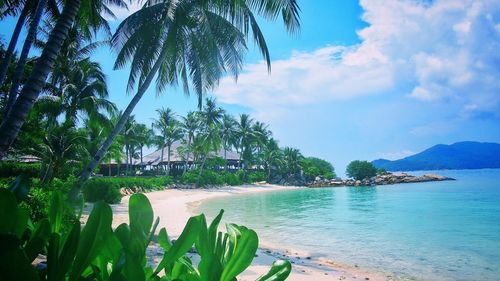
{"x": 30, "y": 38}
{"x": 292, "y": 159}
{"x": 211, "y": 114}
{"x": 227, "y": 131}
{"x": 192, "y": 42}
{"x": 166, "y": 117}
{"x": 245, "y": 136}
{"x": 82, "y": 93}
{"x": 272, "y": 157}
{"x": 190, "y": 124}
{"x": 88, "y": 14}
{"x": 261, "y": 135}
{"x": 144, "y": 138}
{"x": 173, "y": 133}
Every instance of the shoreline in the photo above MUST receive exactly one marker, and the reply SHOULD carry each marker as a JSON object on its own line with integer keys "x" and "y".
{"x": 175, "y": 206}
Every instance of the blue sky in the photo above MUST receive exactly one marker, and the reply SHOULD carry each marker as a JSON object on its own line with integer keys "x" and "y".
{"x": 367, "y": 80}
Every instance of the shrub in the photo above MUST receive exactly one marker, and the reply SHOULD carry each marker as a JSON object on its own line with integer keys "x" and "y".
{"x": 314, "y": 167}
{"x": 13, "y": 169}
{"x": 232, "y": 179}
{"x": 97, "y": 252}
{"x": 108, "y": 189}
{"x": 360, "y": 170}
{"x": 256, "y": 177}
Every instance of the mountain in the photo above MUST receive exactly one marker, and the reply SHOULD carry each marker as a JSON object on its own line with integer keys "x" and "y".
{"x": 460, "y": 155}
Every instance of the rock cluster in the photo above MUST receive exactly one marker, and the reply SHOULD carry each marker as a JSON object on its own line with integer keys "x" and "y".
{"x": 388, "y": 178}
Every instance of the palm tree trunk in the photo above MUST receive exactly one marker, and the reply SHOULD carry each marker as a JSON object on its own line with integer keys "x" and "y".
{"x": 142, "y": 166}
{"x": 168, "y": 159}
{"x": 123, "y": 119}
{"x": 225, "y": 158}
{"x": 14, "y": 88}
{"x": 161, "y": 156}
{"x": 187, "y": 156}
{"x": 126, "y": 159}
{"x": 12, "y": 124}
{"x": 12, "y": 44}
{"x": 201, "y": 170}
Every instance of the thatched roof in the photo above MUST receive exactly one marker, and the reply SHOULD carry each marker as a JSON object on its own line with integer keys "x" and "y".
{"x": 154, "y": 157}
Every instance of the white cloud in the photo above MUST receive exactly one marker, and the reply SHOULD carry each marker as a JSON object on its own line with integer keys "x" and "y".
{"x": 397, "y": 155}
{"x": 444, "y": 51}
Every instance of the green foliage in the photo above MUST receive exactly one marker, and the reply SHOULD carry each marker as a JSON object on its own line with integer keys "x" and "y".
{"x": 256, "y": 176}
{"x": 12, "y": 169}
{"x": 361, "y": 170}
{"x": 231, "y": 179}
{"x": 208, "y": 177}
{"x": 108, "y": 189}
{"x": 381, "y": 171}
{"x": 97, "y": 252}
{"x": 314, "y": 167}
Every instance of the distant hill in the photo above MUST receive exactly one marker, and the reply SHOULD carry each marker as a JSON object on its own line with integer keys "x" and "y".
{"x": 460, "y": 155}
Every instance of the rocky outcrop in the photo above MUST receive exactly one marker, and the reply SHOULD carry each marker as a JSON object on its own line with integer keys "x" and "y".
{"x": 388, "y": 178}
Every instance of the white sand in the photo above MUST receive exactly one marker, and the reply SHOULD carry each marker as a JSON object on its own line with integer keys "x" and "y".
{"x": 174, "y": 207}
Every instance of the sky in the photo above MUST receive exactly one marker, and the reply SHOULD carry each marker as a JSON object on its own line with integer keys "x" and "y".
{"x": 362, "y": 80}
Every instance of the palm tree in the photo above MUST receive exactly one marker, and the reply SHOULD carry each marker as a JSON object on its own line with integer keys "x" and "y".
{"x": 30, "y": 37}
{"x": 245, "y": 135}
{"x": 92, "y": 9}
{"x": 81, "y": 91}
{"x": 144, "y": 138}
{"x": 193, "y": 42}
{"x": 206, "y": 141}
{"x": 272, "y": 157}
{"x": 165, "y": 120}
{"x": 129, "y": 135}
{"x": 292, "y": 160}
{"x": 211, "y": 115}
{"x": 190, "y": 124}
{"x": 228, "y": 132}
{"x": 173, "y": 134}
{"x": 261, "y": 135}
{"x": 23, "y": 14}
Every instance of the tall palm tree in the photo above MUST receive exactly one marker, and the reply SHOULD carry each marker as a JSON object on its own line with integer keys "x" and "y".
{"x": 30, "y": 37}
{"x": 144, "y": 138}
{"x": 245, "y": 135}
{"x": 190, "y": 41}
{"x": 129, "y": 137}
{"x": 13, "y": 122}
{"x": 261, "y": 135}
{"x": 166, "y": 118}
{"x": 292, "y": 160}
{"x": 23, "y": 14}
{"x": 228, "y": 132}
{"x": 272, "y": 157}
{"x": 173, "y": 134}
{"x": 211, "y": 114}
{"x": 190, "y": 124}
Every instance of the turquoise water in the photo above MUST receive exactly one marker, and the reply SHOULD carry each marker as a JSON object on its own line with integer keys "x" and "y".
{"x": 428, "y": 231}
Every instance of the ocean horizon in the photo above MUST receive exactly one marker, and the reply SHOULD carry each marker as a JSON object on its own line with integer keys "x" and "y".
{"x": 425, "y": 231}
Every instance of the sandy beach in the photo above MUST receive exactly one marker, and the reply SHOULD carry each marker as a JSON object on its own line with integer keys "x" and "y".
{"x": 174, "y": 207}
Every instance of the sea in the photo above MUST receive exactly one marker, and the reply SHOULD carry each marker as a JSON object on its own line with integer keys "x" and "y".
{"x": 447, "y": 230}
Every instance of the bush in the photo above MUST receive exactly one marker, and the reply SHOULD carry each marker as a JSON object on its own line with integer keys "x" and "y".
{"x": 208, "y": 177}
{"x": 360, "y": 170}
{"x": 314, "y": 167}
{"x": 108, "y": 189}
{"x": 97, "y": 252}
{"x": 232, "y": 179}
{"x": 256, "y": 177}
{"x": 13, "y": 169}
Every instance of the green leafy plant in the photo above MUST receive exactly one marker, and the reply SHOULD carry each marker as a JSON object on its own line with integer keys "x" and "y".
{"x": 360, "y": 170}
{"x": 97, "y": 252}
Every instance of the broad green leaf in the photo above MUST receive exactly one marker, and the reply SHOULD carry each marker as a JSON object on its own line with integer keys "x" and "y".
{"x": 92, "y": 238}
{"x": 163, "y": 239}
{"x": 23, "y": 216}
{"x": 56, "y": 212}
{"x": 53, "y": 258}
{"x": 69, "y": 249}
{"x": 182, "y": 244}
{"x": 210, "y": 267}
{"x": 122, "y": 232}
{"x": 246, "y": 247}
{"x": 278, "y": 272}
{"x": 140, "y": 213}
{"x": 212, "y": 230}
{"x": 202, "y": 243}
{"x": 38, "y": 239}
{"x": 8, "y": 212}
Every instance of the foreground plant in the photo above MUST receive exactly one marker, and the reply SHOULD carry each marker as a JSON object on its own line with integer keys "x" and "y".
{"x": 96, "y": 252}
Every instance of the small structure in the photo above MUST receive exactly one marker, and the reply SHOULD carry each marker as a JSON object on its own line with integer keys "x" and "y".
{"x": 154, "y": 162}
